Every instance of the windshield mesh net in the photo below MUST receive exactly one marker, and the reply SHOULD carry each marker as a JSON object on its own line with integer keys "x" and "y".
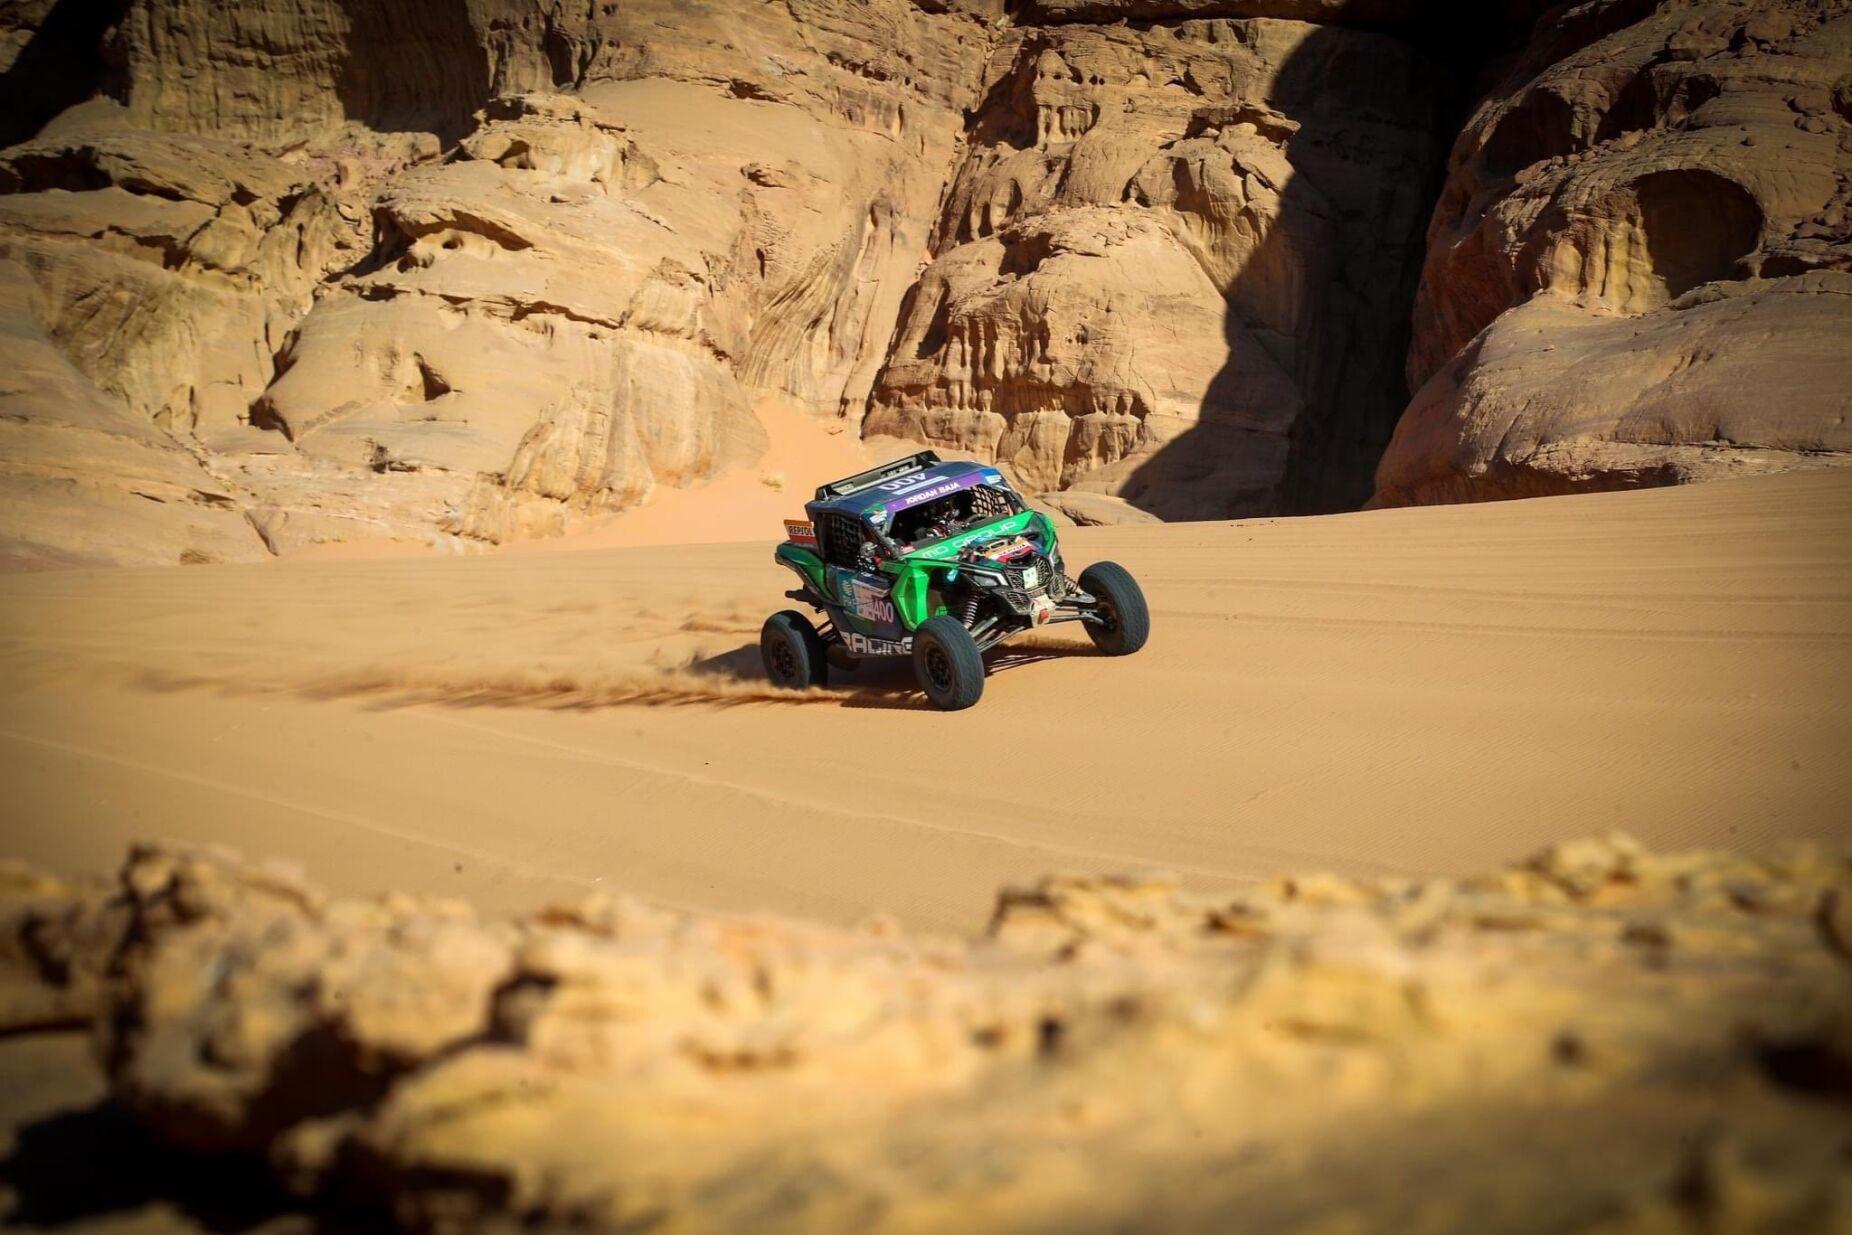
{"x": 953, "y": 514}
{"x": 839, "y": 539}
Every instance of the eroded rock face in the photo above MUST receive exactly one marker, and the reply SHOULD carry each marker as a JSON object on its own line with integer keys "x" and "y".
{"x": 422, "y": 270}
{"x": 1638, "y": 271}
{"x": 284, "y": 273}
{"x": 1168, "y": 269}
{"x": 1112, "y": 1053}
{"x": 81, "y": 476}
{"x": 435, "y": 271}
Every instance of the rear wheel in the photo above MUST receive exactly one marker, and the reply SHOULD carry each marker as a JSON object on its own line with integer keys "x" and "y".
{"x": 947, "y": 663}
{"x": 1120, "y": 623}
{"x": 793, "y": 651}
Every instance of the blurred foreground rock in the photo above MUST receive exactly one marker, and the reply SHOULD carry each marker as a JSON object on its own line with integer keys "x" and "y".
{"x": 1597, "y": 1039}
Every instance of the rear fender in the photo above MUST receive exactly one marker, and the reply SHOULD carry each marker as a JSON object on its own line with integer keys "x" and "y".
{"x": 808, "y": 565}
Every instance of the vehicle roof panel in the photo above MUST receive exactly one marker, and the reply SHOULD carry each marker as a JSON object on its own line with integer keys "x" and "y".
{"x": 903, "y": 492}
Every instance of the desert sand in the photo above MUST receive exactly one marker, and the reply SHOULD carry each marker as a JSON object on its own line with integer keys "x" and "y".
{"x": 1422, "y": 690}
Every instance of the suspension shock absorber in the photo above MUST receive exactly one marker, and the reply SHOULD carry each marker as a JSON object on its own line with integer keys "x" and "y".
{"x": 970, "y": 611}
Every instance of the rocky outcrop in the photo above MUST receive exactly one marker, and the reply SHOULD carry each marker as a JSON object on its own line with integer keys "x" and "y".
{"x": 441, "y": 272}
{"x": 84, "y": 478}
{"x": 456, "y": 273}
{"x": 1537, "y": 1044}
{"x": 56, "y": 940}
{"x": 579, "y": 302}
{"x": 425, "y": 271}
{"x": 1640, "y": 269}
{"x": 1169, "y": 268}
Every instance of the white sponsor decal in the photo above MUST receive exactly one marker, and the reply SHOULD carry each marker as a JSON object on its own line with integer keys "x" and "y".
{"x": 905, "y": 483}
{"x": 1031, "y": 577}
{"x": 947, "y": 547}
{"x": 862, "y": 645}
{"x": 869, "y": 602}
{"x": 911, "y": 500}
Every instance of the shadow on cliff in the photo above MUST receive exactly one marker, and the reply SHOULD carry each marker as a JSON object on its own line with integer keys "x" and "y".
{"x": 61, "y": 65}
{"x": 416, "y": 65}
{"x": 411, "y": 65}
{"x": 1299, "y": 298}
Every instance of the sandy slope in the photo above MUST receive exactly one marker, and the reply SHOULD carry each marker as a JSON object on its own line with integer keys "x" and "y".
{"x": 1428, "y": 689}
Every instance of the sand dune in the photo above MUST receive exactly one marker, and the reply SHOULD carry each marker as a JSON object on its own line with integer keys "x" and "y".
{"x": 1409, "y": 690}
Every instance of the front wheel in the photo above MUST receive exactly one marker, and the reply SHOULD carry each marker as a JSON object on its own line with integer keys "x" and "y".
{"x": 1120, "y": 622}
{"x": 793, "y": 651}
{"x": 947, "y": 663}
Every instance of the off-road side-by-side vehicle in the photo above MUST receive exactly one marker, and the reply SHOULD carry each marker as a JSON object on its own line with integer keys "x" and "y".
{"x": 937, "y": 561}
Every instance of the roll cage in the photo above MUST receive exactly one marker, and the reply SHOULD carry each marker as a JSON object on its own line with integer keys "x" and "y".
{"x": 899, "y": 508}
{"x": 920, "y": 462}
{"x": 953, "y": 515}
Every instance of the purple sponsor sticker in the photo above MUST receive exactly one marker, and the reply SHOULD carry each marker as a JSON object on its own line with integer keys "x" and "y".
{"x": 934, "y": 491}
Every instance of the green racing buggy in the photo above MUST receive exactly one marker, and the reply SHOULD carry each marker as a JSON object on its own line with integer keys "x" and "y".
{"x": 940, "y": 562}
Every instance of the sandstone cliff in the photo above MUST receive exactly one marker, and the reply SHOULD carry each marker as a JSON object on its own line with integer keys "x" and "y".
{"x": 427, "y": 270}
{"x": 280, "y": 273}
{"x": 1171, "y": 266}
{"x": 1598, "y": 1039}
{"x": 1640, "y": 267}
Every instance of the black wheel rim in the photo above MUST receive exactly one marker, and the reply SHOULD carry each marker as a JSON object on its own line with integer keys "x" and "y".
{"x": 938, "y": 669}
{"x": 784, "y": 661}
{"x": 1107, "y": 619}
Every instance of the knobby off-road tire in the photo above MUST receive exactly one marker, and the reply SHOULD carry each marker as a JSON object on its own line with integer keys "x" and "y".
{"x": 792, "y": 651}
{"x": 1125, "y": 622}
{"x": 947, "y": 663}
